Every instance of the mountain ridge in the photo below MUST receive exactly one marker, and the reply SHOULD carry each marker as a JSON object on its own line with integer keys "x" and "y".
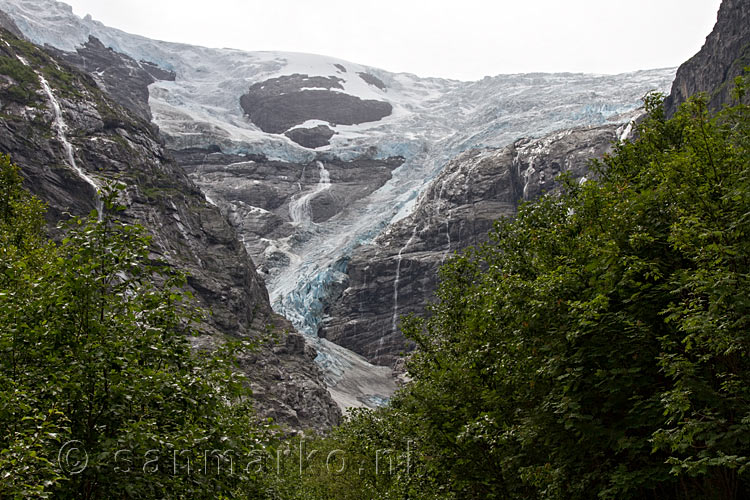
{"x": 724, "y": 56}
{"x": 67, "y": 136}
{"x": 302, "y": 222}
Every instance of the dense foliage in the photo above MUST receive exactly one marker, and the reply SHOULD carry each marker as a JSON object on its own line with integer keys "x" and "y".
{"x": 597, "y": 347}
{"x": 101, "y": 395}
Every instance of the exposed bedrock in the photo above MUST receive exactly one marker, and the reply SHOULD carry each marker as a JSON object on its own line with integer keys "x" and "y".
{"x": 273, "y": 204}
{"x": 6, "y": 22}
{"x": 721, "y": 59}
{"x": 67, "y": 135}
{"x": 312, "y": 138}
{"x": 279, "y": 104}
{"x": 372, "y": 80}
{"x": 123, "y": 78}
{"x": 397, "y": 274}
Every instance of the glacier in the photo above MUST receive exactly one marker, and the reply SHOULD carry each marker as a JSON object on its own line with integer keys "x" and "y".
{"x": 432, "y": 121}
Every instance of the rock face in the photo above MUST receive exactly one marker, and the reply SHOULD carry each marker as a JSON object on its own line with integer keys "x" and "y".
{"x": 274, "y": 205}
{"x": 123, "y": 78}
{"x": 397, "y": 274}
{"x": 722, "y": 58}
{"x": 278, "y": 104}
{"x": 372, "y": 80}
{"x": 313, "y": 138}
{"x": 7, "y": 23}
{"x": 68, "y": 136}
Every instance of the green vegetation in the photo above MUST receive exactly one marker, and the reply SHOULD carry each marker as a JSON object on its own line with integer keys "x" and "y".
{"x": 25, "y": 82}
{"x": 597, "y": 347}
{"x": 101, "y": 395}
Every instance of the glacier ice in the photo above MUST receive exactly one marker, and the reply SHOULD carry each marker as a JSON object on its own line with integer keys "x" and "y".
{"x": 433, "y": 120}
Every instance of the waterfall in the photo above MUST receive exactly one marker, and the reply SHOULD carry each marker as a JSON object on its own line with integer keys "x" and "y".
{"x": 627, "y": 132}
{"x": 398, "y": 277}
{"x": 527, "y": 177}
{"x": 61, "y": 128}
{"x": 299, "y": 207}
{"x": 447, "y": 221}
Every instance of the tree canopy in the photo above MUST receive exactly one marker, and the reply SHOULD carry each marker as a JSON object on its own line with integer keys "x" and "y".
{"x": 598, "y": 346}
{"x": 101, "y": 394}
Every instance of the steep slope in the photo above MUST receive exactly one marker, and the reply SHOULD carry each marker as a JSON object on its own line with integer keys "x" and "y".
{"x": 722, "y": 58}
{"x": 304, "y": 184}
{"x": 123, "y": 78}
{"x": 69, "y": 138}
{"x": 7, "y": 23}
{"x": 397, "y": 273}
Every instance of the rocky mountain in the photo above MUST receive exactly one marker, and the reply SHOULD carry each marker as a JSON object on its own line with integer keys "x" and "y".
{"x": 722, "y": 58}
{"x": 70, "y": 138}
{"x": 397, "y": 273}
{"x": 6, "y": 22}
{"x": 123, "y": 78}
{"x": 311, "y": 157}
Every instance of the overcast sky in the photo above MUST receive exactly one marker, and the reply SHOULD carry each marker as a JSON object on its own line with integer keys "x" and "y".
{"x": 462, "y": 39}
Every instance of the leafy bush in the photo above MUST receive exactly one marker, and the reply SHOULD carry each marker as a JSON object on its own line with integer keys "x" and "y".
{"x": 598, "y": 346}
{"x": 101, "y": 394}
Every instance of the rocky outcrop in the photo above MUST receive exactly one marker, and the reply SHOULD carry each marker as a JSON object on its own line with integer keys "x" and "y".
{"x": 372, "y": 80}
{"x": 7, "y": 23}
{"x": 278, "y": 104}
{"x": 397, "y": 274}
{"x": 67, "y": 136}
{"x": 721, "y": 59}
{"x": 123, "y": 78}
{"x": 272, "y": 204}
{"x": 313, "y": 138}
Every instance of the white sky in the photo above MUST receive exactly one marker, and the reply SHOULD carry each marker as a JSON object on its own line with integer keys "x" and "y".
{"x": 462, "y": 39}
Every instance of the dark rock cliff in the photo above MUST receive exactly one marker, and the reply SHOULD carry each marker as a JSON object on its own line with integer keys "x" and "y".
{"x": 721, "y": 59}
{"x": 312, "y": 138}
{"x": 397, "y": 274}
{"x": 65, "y": 133}
{"x": 7, "y": 23}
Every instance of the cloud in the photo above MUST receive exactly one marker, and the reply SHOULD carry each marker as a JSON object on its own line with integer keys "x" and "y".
{"x": 463, "y": 40}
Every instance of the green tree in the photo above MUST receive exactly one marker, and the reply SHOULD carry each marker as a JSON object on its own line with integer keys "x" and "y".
{"x": 598, "y": 345}
{"x": 29, "y": 428}
{"x": 102, "y": 394}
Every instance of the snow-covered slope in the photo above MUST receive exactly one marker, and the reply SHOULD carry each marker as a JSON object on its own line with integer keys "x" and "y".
{"x": 428, "y": 122}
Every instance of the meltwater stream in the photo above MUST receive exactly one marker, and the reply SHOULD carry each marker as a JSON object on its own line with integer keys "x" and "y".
{"x": 398, "y": 278}
{"x": 299, "y": 208}
{"x": 301, "y": 290}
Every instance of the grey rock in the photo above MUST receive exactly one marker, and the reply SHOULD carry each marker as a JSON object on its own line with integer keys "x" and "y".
{"x": 397, "y": 274}
{"x": 111, "y": 143}
{"x": 123, "y": 78}
{"x": 312, "y": 138}
{"x": 255, "y": 195}
{"x": 721, "y": 59}
{"x": 6, "y": 22}
{"x": 372, "y": 80}
{"x": 278, "y": 104}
